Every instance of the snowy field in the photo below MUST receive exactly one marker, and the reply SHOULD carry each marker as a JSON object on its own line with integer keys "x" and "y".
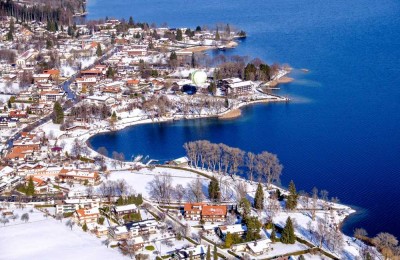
{"x": 46, "y": 238}
{"x": 139, "y": 180}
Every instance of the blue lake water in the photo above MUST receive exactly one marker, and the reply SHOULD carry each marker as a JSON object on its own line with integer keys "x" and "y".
{"x": 342, "y": 130}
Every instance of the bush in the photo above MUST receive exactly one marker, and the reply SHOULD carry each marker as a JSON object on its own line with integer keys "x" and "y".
{"x": 100, "y": 221}
{"x": 67, "y": 214}
{"x": 150, "y": 248}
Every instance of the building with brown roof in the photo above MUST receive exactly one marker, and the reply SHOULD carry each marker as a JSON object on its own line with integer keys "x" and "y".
{"x": 202, "y": 211}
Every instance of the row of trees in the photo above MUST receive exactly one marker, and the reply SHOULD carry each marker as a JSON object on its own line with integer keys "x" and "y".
{"x": 88, "y": 112}
{"x": 228, "y": 160}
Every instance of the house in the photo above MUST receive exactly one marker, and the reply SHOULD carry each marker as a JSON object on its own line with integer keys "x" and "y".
{"x": 71, "y": 205}
{"x": 201, "y": 211}
{"x": 259, "y": 247}
{"x": 41, "y": 78}
{"x": 125, "y": 209}
{"x": 214, "y": 213}
{"x": 119, "y": 233}
{"x": 101, "y": 100}
{"x": 193, "y": 211}
{"x": 182, "y": 161}
{"x": 86, "y": 215}
{"x": 79, "y": 176}
{"x": 136, "y": 242}
{"x": 238, "y": 88}
{"x": 143, "y": 227}
{"x": 196, "y": 252}
{"x": 101, "y": 231}
{"x": 41, "y": 186}
{"x": 51, "y": 95}
{"x": 233, "y": 229}
{"x": 7, "y": 122}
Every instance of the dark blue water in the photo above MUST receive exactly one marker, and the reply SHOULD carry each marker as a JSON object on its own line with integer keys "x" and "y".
{"x": 342, "y": 131}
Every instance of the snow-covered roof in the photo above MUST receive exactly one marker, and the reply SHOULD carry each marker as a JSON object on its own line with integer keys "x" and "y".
{"x": 125, "y": 207}
{"x": 237, "y": 228}
{"x": 259, "y": 246}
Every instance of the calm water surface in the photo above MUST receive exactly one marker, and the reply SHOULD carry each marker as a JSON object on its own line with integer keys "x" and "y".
{"x": 342, "y": 130}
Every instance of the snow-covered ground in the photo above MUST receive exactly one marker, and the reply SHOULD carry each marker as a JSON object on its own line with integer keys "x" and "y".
{"x": 47, "y": 238}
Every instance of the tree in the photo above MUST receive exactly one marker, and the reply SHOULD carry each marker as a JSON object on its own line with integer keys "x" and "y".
{"x": 99, "y": 51}
{"x": 385, "y": 239}
{"x": 195, "y": 190}
{"x": 198, "y": 28}
{"x": 208, "y": 256}
{"x": 291, "y": 202}
{"x": 131, "y": 23}
{"x": 259, "y": 198}
{"x": 10, "y": 33}
{"x": 110, "y": 73}
{"x": 288, "y": 236}
{"x": 228, "y": 240}
{"x": 25, "y": 217}
{"x": 30, "y": 190}
{"x": 70, "y": 223}
{"x": 213, "y": 190}
{"x": 179, "y": 36}
{"x": 360, "y": 233}
{"x": 4, "y": 220}
{"x": 245, "y": 206}
{"x": 84, "y": 227}
{"x": 215, "y": 253}
{"x": 217, "y": 36}
{"x": 253, "y": 228}
{"x": 58, "y": 113}
{"x": 273, "y": 236}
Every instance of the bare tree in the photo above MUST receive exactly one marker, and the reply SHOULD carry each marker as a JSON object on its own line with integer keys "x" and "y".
{"x": 195, "y": 190}
{"x": 25, "y": 217}
{"x": 385, "y": 239}
{"x": 89, "y": 191}
{"x": 241, "y": 190}
{"x": 179, "y": 193}
{"x": 250, "y": 163}
{"x": 161, "y": 188}
{"x": 315, "y": 201}
{"x": 70, "y": 223}
{"x": 4, "y": 220}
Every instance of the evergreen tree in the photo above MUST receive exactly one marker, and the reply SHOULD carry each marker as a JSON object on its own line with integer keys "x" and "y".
{"x": 58, "y": 113}
{"x": 99, "y": 52}
{"x": 213, "y": 190}
{"x": 30, "y": 190}
{"x": 9, "y": 103}
{"x": 291, "y": 202}
{"x": 288, "y": 236}
{"x": 84, "y": 227}
{"x": 198, "y": 28}
{"x": 259, "y": 198}
{"x": 228, "y": 240}
{"x": 173, "y": 56}
{"x": 253, "y": 228}
{"x": 10, "y": 34}
{"x": 114, "y": 116}
{"x": 215, "y": 253}
{"x": 49, "y": 44}
{"x": 245, "y": 207}
{"x": 208, "y": 256}
{"x": 110, "y": 73}
{"x": 179, "y": 36}
{"x": 273, "y": 236}
{"x": 131, "y": 23}
{"x": 217, "y": 36}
